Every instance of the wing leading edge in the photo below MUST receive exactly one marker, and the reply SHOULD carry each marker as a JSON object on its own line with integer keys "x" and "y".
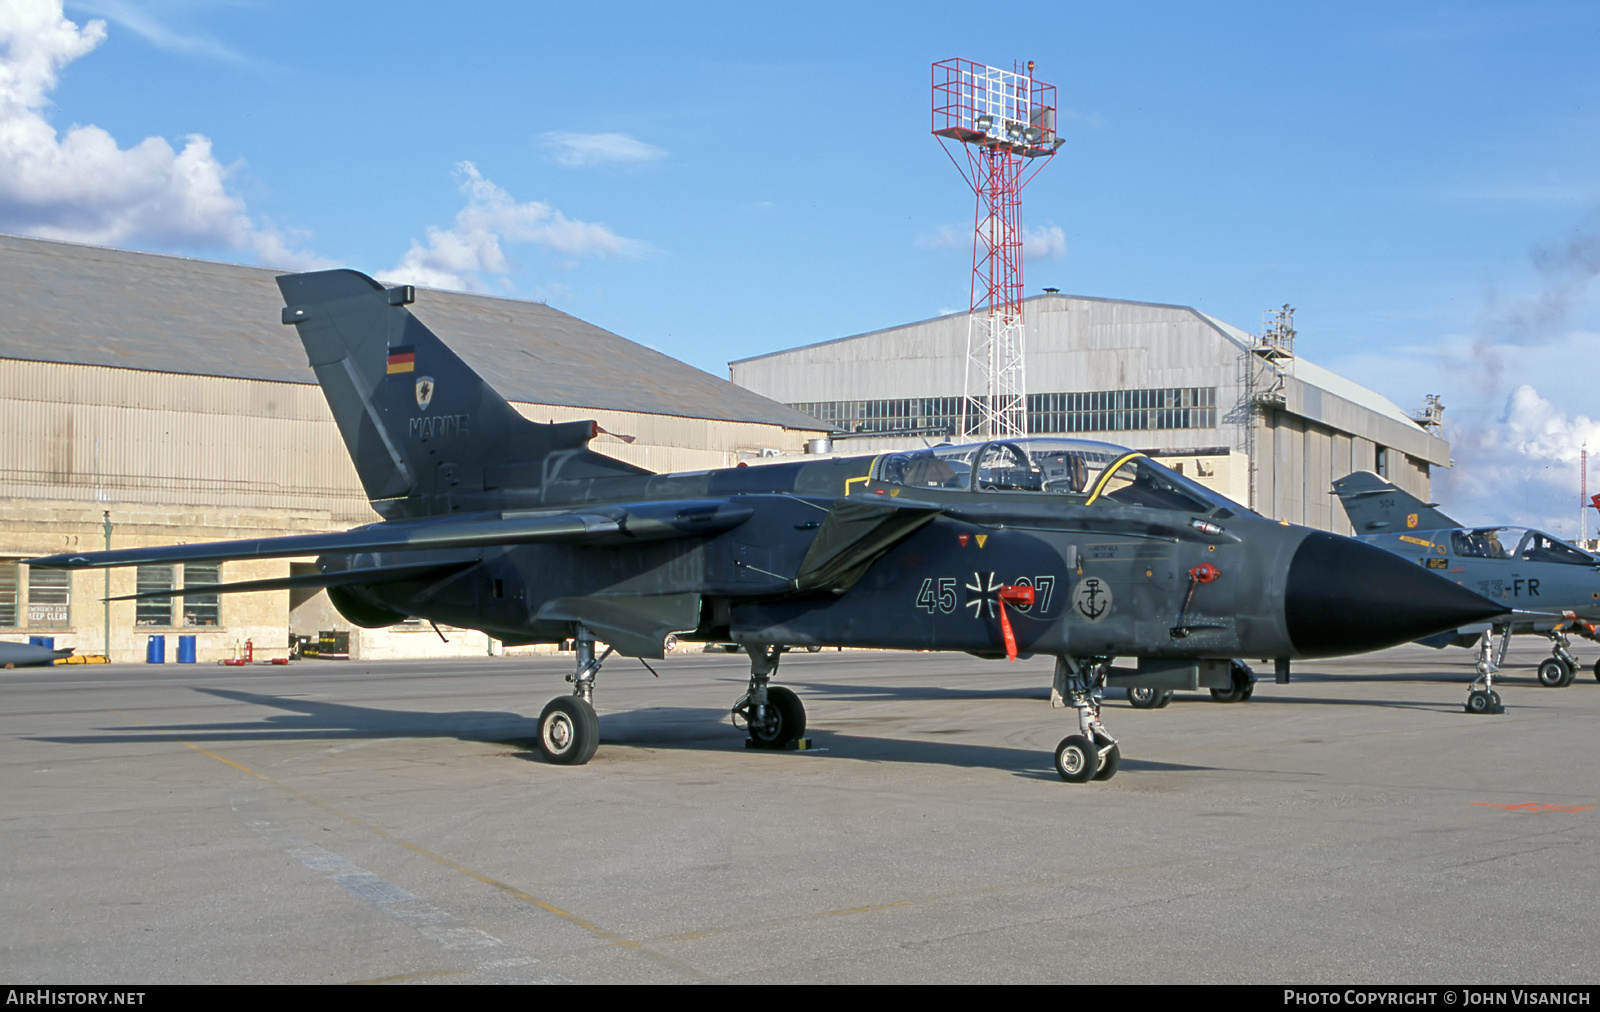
{"x": 599, "y": 524}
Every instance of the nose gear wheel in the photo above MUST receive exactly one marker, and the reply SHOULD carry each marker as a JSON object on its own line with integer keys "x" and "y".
{"x": 1091, "y": 754}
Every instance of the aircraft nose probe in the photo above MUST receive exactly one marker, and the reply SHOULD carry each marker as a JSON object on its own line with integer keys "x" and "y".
{"x": 1344, "y": 597}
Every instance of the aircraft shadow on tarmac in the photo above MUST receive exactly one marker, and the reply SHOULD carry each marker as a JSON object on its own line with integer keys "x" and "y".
{"x": 704, "y": 729}
{"x": 305, "y": 719}
{"x": 860, "y": 693}
{"x": 696, "y": 728}
{"x": 1262, "y": 700}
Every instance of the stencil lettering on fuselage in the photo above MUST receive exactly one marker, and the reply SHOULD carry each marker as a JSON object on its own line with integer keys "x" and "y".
{"x": 441, "y": 425}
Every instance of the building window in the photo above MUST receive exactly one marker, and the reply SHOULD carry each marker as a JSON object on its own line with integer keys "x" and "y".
{"x": 8, "y": 594}
{"x": 1382, "y": 463}
{"x": 197, "y": 609}
{"x": 201, "y": 609}
{"x": 49, "y": 598}
{"x": 1062, "y": 413}
{"x": 153, "y": 611}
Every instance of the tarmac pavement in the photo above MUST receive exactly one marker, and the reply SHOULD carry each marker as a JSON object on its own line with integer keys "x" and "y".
{"x": 335, "y": 822}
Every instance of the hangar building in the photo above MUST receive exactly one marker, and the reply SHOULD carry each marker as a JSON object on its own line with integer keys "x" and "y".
{"x": 1240, "y": 412}
{"x": 152, "y": 400}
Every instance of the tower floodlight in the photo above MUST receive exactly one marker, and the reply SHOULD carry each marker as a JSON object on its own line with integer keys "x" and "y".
{"x": 1005, "y": 123}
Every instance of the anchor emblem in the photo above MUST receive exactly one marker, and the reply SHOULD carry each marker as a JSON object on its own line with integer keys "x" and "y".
{"x": 1092, "y": 598}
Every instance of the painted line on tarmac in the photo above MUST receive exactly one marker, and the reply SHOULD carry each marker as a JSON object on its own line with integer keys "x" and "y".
{"x": 431, "y": 922}
{"x": 503, "y": 887}
{"x": 873, "y": 908}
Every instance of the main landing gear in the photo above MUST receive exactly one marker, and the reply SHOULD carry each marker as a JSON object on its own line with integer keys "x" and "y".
{"x": 1242, "y": 684}
{"x": 1091, "y": 754}
{"x": 1142, "y": 697}
{"x": 1558, "y": 670}
{"x": 569, "y": 730}
{"x": 1481, "y": 697}
{"x": 773, "y": 715}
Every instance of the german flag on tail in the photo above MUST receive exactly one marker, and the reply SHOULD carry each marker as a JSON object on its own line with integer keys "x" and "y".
{"x": 402, "y": 359}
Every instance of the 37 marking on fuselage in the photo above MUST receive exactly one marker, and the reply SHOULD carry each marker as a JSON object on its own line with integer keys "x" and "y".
{"x": 937, "y": 595}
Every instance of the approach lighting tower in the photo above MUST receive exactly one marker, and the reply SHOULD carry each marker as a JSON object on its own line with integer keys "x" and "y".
{"x": 1005, "y": 123}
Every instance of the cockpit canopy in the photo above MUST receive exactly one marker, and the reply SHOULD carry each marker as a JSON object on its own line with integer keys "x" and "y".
{"x": 1081, "y": 469}
{"x": 1517, "y": 543}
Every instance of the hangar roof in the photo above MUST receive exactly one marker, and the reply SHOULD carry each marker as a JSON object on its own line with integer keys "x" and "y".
{"x": 86, "y": 305}
{"x": 1304, "y": 371}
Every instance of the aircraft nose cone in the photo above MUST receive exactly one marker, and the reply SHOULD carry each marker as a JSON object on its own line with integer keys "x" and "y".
{"x": 1345, "y": 596}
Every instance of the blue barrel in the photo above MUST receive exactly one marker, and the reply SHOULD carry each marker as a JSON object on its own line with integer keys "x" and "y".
{"x": 49, "y": 642}
{"x": 155, "y": 651}
{"x": 185, "y": 649}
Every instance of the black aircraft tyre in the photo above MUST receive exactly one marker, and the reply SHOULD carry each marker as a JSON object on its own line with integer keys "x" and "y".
{"x": 1142, "y": 697}
{"x": 1554, "y": 673}
{"x": 1597, "y": 671}
{"x": 1077, "y": 760}
{"x": 1479, "y": 701}
{"x": 569, "y": 731}
{"x": 1111, "y": 762}
{"x": 1166, "y": 698}
{"x": 1242, "y": 688}
{"x": 785, "y": 721}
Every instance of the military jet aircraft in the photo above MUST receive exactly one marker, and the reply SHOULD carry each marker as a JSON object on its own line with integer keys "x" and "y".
{"x": 1007, "y": 548}
{"x": 1548, "y": 587}
{"x": 20, "y": 655}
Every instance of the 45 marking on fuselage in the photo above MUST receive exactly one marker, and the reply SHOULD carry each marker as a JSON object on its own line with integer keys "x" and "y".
{"x": 937, "y": 595}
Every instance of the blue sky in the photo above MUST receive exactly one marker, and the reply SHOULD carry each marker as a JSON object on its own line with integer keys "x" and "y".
{"x": 1420, "y": 181}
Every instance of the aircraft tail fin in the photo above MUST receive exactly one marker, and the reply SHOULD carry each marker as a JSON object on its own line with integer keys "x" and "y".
{"x": 1376, "y": 506}
{"x": 426, "y": 433}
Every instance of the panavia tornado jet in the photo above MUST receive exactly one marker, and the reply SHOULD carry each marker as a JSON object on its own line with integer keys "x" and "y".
{"x": 1079, "y": 550}
{"x": 1545, "y": 586}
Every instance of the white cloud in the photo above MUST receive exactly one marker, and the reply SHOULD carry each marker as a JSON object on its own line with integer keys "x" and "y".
{"x": 1520, "y": 467}
{"x": 142, "y": 21}
{"x": 461, "y": 257}
{"x": 81, "y": 186}
{"x": 945, "y": 237}
{"x": 596, "y": 149}
{"x": 1047, "y": 243}
{"x": 1515, "y": 391}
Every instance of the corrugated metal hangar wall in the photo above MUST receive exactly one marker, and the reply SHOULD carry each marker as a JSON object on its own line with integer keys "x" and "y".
{"x": 154, "y": 400}
{"x": 1155, "y": 377}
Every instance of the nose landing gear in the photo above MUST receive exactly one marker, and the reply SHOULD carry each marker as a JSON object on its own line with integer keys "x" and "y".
{"x": 1481, "y": 697}
{"x": 1091, "y": 754}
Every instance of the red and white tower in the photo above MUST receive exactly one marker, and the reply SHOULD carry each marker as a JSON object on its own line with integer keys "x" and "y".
{"x": 1005, "y": 123}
